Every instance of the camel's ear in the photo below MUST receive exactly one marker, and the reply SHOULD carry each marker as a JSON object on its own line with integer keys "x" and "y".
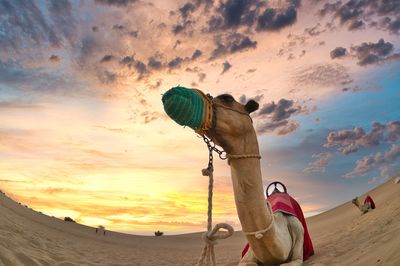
{"x": 251, "y": 106}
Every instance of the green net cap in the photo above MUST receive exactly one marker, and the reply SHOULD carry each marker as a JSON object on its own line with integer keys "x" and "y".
{"x": 184, "y": 106}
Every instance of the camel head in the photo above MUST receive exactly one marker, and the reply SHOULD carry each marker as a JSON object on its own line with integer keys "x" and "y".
{"x": 355, "y": 201}
{"x": 222, "y": 118}
{"x": 232, "y": 121}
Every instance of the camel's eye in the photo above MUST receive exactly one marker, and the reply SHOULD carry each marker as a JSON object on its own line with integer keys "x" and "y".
{"x": 226, "y": 98}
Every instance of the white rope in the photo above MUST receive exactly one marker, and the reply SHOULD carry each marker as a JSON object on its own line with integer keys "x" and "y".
{"x": 259, "y": 234}
{"x": 210, "y": 237}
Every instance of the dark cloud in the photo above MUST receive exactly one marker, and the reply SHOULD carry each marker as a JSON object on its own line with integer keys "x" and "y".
{"x": 393, "y": 25}
{"x": 353, "y": 12}
{"x": 254, "y": 14}
{"x": 356, "y": 25}
{"x": 118, "y": 27}
{"x": 275, "y": 117}
{"x": 154, "y": 63}
{"x": 372, "y": 53}
{"x": 140, "y": 68}
{"x": 107, "y": 58}
{"x": 349, "y": 141}
{"x": 226, "y": 66}
{"x": 117, "y": 3}
{"x": 186, "y": 9}
{"x": 55, "y": 58}
{"x": 128, "y": 61}
{"x": 196, "y": 54}
{"x": 175, "y": 63}
{"x": 280, "y": 128}
{"x": 279, "y": 111}
{"x": 232, "y": 43}
{"x": 176, "y": 29}
{"x": 273, "y": 20}
{"x": 338, "y": 52}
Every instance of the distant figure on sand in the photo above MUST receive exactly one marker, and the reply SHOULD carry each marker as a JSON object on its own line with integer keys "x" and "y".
{"x": 101, "y": 229}
{"x": 369, "y": 204}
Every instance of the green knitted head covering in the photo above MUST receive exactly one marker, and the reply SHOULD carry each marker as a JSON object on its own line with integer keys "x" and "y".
{"x": 184, "y": 106}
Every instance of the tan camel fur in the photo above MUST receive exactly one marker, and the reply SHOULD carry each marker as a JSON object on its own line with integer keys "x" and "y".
{"x": 364, "y": 208}
{"x": 282, "y": 244}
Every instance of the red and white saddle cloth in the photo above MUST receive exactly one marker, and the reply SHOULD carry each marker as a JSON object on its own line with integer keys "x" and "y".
{"x": 283, "y": 202}
{"x": 370, "y": 202}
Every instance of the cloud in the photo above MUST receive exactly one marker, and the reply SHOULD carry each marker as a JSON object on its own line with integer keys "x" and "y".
{"x": 352, "y": 13}
{"x": 154, "y": 63}
{"x": 321, "y": 75}
{"x": 273, "y": 117}
{"x": 372, "y": 53}
{"x": 232, "y": 43}
{"x": 338, "y": 52}
{"x": 118, "y": 27}
{"x": 253, "y": 14}
{"x": 320, "y": 164}
{"x": 186, "y": 9}
{"x": 117, "y": 3}
{"x": 196, "y": 54}
{"x": 272, "y": 20}
{"x": 372, "y": 162}
{"x": 55, "y": 58}
{"x": 349, "y": 141}
{"x": 356, "y": 25}
{"x": 175, "y": 63}
{"x": 107, "y": 58}
{"x": 226, "y": 66}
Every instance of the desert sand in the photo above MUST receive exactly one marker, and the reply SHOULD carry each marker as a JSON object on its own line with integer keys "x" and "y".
{"x": 341, "y": 236}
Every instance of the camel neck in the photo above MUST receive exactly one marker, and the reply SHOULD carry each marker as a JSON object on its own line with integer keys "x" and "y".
{"x": 248, "y": 187}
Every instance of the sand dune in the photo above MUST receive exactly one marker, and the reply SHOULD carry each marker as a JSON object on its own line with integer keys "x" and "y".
{"x": 341, "y": 236}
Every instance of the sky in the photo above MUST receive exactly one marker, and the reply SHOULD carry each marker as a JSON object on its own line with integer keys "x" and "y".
{"x": 83, "y": 132}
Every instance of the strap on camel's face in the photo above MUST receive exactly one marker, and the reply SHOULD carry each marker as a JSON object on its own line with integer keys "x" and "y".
{"x": 230, "y": 119}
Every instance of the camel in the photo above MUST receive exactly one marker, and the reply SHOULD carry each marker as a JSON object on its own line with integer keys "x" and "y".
{"x": 274, "y": 238}
{"x": 364, "y": 208}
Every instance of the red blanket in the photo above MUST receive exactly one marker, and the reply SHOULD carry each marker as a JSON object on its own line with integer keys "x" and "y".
{"x": 282, "y": 202}
{"x": 368, "y": 200}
